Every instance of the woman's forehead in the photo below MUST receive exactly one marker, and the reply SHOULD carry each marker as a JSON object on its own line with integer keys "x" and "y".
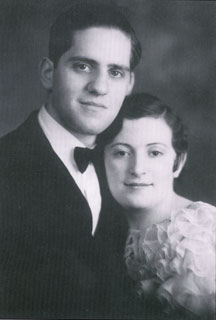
{"x": 144, "y": 131}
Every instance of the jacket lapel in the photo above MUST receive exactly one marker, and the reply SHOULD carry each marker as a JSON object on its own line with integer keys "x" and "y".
{"x": 41, "y": 167}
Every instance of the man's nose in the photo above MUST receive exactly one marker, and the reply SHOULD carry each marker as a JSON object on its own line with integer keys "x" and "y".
{"x": 139, "y": 165}
{"x": 98, "y": 84}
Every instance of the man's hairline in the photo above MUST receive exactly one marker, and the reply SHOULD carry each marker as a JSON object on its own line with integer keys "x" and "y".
{"x": 103, "y": 27}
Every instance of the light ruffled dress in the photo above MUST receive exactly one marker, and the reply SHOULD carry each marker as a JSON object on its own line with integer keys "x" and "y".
{"x": 175, "y": 260}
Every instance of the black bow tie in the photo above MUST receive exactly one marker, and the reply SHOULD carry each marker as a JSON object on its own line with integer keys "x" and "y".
{"x": 83, "y": 156}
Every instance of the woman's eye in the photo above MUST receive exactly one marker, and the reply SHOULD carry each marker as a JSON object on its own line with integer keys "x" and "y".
{"x": 122, "y": 154}
{"x": 155, "y": 153}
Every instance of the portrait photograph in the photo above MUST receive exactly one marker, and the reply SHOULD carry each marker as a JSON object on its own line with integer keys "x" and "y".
{"x": 108, "y": 159}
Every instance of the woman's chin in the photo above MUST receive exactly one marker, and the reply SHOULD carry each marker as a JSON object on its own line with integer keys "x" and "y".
{"x": 136, "y": 204}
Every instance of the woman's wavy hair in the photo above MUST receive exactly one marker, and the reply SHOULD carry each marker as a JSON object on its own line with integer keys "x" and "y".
{"x": 143, "y": 105}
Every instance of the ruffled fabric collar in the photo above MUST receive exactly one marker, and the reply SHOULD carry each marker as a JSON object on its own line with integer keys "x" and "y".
{"x": 176, "y": 259}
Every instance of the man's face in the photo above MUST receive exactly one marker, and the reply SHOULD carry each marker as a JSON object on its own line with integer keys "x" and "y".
{"x": 91, "y": 80}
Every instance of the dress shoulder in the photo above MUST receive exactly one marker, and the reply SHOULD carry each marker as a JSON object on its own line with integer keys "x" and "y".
{"x": 195, "y": 221}
{"x": 177, "y": 257}
{"x": 199, "y": 208}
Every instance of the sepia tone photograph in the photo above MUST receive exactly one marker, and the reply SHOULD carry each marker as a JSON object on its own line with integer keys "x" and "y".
{"x": 107, "y": 159}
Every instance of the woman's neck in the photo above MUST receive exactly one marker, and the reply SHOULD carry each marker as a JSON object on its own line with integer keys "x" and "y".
{"x": 142, "y": 218}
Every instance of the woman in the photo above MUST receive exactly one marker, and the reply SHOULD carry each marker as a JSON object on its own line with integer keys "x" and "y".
{"x": 170, "y": 249}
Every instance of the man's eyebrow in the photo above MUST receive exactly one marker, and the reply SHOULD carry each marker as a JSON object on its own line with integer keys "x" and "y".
{"x": 83, "y": 59}
{"x": 120, "y": 67}
{"x": 95, "y": 63}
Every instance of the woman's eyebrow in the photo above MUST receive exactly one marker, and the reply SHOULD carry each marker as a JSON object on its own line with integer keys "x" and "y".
{"x": 157, "y": 143}
{"x": 120, "y": 144}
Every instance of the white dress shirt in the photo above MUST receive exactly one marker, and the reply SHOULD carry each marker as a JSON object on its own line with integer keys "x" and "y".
{"x": 63, "y": 144}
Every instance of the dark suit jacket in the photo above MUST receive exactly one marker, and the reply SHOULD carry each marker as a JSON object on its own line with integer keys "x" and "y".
{"x": 50, "y": 265}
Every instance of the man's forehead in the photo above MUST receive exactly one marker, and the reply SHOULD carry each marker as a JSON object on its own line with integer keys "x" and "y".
{"x": 102, "y": 43}
{"x": 100, "y": 29}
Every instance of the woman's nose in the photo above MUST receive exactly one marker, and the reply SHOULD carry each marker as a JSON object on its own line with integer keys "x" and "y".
{"x": 98, "y": 84}
{"x": 139, "y": 165}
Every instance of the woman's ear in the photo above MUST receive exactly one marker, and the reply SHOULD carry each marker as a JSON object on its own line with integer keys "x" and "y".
{"x": 179, "y": 164}
{"x": 46, "y": 73}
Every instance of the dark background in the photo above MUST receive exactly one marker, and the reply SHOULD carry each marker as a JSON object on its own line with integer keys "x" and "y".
{"x": 178, "y": 65}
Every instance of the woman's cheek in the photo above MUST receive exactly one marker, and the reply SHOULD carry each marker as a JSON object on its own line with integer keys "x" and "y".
{"x": 115, "y": 169}
{"x": 118, "y": 170}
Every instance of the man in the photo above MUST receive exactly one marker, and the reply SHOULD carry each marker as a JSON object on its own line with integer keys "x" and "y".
{"x": 57, "y": 240}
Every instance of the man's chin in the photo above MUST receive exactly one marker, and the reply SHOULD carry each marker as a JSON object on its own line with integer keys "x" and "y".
{"x": 94, "y": 130}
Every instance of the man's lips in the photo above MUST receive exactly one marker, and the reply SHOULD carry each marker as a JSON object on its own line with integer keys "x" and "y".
{"x": 93, "y": 104}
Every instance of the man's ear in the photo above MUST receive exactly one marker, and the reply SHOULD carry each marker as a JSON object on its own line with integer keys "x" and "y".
{"x": 179, "y": 164}
{"x": 46, "y": 73}
{"x": 131, "y": 83}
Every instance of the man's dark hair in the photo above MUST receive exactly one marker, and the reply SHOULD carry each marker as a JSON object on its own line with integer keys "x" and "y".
{"x": 85, "y": 14}
{"x": 143, "y": 105}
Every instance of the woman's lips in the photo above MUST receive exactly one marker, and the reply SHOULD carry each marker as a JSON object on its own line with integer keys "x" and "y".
{"x": 137, "y": 184}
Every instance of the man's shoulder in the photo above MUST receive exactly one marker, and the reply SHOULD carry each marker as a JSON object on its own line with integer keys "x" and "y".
{"x": 15, "y": 145}
{"x": 30, "y": 122}
{"x": 21, "y": 134}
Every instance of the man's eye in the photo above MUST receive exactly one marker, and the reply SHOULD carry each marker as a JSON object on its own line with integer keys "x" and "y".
{"x": 116, "y": 73}
{"x": 82, "y": 67}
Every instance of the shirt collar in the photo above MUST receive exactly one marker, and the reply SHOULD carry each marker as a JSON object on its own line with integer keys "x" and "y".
{"x": 62, "y": 141}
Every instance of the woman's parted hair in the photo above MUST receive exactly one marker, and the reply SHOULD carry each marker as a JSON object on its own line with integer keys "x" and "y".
{"x": 143, "y": 105}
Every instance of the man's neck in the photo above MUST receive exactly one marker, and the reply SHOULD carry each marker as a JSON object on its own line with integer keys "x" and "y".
{"x": 87, "y": 140}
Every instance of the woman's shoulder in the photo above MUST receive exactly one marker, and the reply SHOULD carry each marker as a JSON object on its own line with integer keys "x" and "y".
{"x": 180, "y": 254}
{"x": 191, "y": 239}
{"x": 197, "y": 205}
{"x": 180, "y": 203}
{"x": 196, "y": 214}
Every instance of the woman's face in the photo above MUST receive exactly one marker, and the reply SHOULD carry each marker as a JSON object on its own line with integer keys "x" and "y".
{"x": 139, "y": 163}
